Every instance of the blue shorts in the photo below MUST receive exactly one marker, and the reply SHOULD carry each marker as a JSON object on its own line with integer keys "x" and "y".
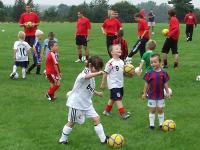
{"x": 116, "y": 93}
{"x": 23, "y": 64}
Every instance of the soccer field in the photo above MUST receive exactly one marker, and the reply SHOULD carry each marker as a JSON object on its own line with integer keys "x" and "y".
{"x": 28, "y": 121}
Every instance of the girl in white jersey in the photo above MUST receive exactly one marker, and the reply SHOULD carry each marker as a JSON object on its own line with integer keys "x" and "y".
{"x": 80, "y": 103}
{"x": 21, "y": 49}
{"x": 114, "y": 73}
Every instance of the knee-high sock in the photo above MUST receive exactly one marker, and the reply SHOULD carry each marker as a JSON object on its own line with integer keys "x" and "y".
{"x": 23, "y": 72}
{"x": 151, "y": 119}
{"x": 100, "y": 132}
{"x": 65, "y": 133}
{"x": 161, "y": 118}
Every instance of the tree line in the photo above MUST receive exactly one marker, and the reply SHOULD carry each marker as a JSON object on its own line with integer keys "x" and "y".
{"x": 96, "y": 10}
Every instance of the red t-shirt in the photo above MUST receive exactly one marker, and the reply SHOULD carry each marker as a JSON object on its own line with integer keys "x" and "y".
{"x": 190, "y": 19}
{"x": 174, "y": 29}
{"x": 82, "y": 26}
{"x": 124, "y": 47}
{"x": 50, "y": 62}
{"x": 111, "y": 26}
{"x": 142, "y": 26}
{"x": 32, "y": 17}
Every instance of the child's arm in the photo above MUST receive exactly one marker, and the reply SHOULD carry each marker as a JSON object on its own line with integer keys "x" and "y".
{"x": 42, "y": 52}
{"x": 166, "y": 87}
{"x": 57, "y": 68}
{"x": 103, "y": 82}
{"x": 91, "y": 75}
{"x": 103, "y": 30}
{"x": 144, "y": 95}
{"x": 14, "y": 54}
{"x": 140, "y": 67}
{"x": 34, "y": 50}
{"x": 100, "y": 94}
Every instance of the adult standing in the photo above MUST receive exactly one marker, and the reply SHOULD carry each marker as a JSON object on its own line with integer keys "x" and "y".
{"x": 151, "y": 21}
{"x": 110, "y": 28}
{"x": 83, "y": 27}
{"x": 29, "y": 20}
{"x": 190, "y": 21}
{"x": 171, "y": 41}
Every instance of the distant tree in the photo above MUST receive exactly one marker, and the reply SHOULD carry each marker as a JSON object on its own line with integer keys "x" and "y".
{"x": 18, "y": 9}
{"x": 2, "y": 12}
{"x": 197, "y": 13}
{"x": 125, "y": 11}
{"x": 63, "y": 11}
{"x": 181, "y": 7}
{"x": 30, "y": 3}
{"x": 50, "y": 15}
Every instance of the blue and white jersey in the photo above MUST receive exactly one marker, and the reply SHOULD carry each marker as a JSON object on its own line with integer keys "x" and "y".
{"x": 38, "y": 46}
{"x": 45, "y": 45}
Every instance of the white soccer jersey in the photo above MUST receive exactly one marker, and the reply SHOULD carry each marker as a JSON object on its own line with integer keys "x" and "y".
{"x": 82, "y": 92}
{"x": 115, "y": 73}
{"x": 21, "y": 48}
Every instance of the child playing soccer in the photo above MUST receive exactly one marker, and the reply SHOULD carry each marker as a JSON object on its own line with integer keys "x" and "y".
{"x": 37, "y": 53}
{"x": 21, "y": 49}
{"x": 52, "y": 70}
{"x": 80, "y": 103}
{"x": 156, "y": 82}
{"x": 115, "y": 79}
{"x": 151, "y": 45}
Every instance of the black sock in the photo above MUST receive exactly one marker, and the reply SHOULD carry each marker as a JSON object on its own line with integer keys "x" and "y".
{"x": 38, "y": 70}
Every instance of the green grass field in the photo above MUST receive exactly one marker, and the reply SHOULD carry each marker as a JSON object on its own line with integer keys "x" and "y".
{"x": 29, "y": 121}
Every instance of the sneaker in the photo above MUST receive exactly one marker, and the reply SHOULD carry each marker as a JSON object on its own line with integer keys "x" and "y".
{"x": 106, "y": 113}
{"x": 78, "y": 60}
{"x": 106, "y": 140}
{"x": 125, "y": 116}
{"x": 63, "y": 142}
{"x": 151, "y": 127}
{"x": 49, "y": 97}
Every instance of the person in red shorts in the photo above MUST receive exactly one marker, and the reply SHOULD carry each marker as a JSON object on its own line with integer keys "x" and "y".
{"x": 30, "y": 21}
{"x": 52, "y": 70}
{"x": 83, "y": 27}
{"x": 110, "y": 28}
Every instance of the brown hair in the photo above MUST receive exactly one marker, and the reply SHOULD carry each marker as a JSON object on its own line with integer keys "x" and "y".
{"x": 171, "y": 12}
{"x": 156, "y": 55}
{"x": 96, "y": 62}
{"x": 51, "y": 43}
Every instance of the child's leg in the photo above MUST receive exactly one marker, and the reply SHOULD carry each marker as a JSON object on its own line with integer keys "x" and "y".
{"x": 14, "y": 68}
{"x": 161, "y": 116}
{"x": 86, "y": 52}
{"x": 152, "y": 111}
{"x": 38, "y": 69}
{"x": 120, "y": 107}
{"x": 53, "y": 88}
{"x": 23, "y": 72}
{"x": 67, "y": 129}
{"x": 109, "y": 105}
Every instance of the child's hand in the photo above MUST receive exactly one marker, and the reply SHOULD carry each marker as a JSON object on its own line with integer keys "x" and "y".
{"x": 144, "y": 96}
{"x": 167, "y": 96}
{"x": 100, "y": 94}
{"x": 101, "y": 72}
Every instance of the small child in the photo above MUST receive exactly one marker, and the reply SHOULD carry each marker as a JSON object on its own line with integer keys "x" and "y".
{"x": 80, "y": 100}
{"x": 21, "y": 49}
{"x": 37, "y": 53}
{"x": 120, "y": 40}
{"x": 115, "y": 79}
{"x": 156, "y": 82}
{"x": 151, "y": 45}
{"x": 52, "y": 70}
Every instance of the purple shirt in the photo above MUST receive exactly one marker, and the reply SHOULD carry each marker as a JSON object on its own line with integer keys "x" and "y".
{"x": 156, "y": 81}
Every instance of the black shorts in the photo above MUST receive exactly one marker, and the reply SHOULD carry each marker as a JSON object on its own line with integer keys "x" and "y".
{"x": 22, "y": 64}
{"x": 116, "y": 93}
{"x": 81, "y": 40}
{"x": 170, "y": 44}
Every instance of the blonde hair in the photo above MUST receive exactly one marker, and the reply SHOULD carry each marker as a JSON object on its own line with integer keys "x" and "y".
{"x": 38, "y": 32}
{"x": 151, "y": 44}
{"x": 110, "y": 12}
{"x": 21, "y": 35}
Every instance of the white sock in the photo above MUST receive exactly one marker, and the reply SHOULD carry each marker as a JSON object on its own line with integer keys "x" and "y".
{"x": 161, "y": 118}
{"x": 151, "y": 119}
{"x": 23, "y": 73}
{"x": 65, "y": 133}
{"x": 100, "y": 132}
{"x": 14, "y": 68}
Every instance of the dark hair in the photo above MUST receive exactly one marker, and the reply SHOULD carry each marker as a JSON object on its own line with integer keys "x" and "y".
{"x": 121, "y": 33}
{"x": 171, "y": 12}
{"x": 51, "y": 34}
{"x": 51, "y": 43}
{"x": 156, "y": 55}
{"x": 81, "y": 12}
{"x": 96, "y": 62}
{"x": 190, "y": 11}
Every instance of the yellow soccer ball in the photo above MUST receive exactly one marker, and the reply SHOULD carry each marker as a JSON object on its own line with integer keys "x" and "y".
{"x": 29, "y": 24}
{"x": 116, "y": 141}
{"x": 168, "y": 125}
{"x": 129, "y": 70}
{"x": 165, "y": 32}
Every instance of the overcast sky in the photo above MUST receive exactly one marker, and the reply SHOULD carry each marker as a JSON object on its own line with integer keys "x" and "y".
{"x": 75, "y": 2}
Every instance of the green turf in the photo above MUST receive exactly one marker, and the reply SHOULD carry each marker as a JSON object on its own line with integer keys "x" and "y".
{"x": 29, "y": 122}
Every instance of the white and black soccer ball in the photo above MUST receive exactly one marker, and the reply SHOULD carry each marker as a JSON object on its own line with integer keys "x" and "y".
{"x": 198, "y": 78}
{"x": 14, "y": 75}
{"x": 170, "y": 92}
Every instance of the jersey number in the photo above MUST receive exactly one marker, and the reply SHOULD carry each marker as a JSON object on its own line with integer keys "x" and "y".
{"x": 22, "y": 52}
{"x": 117, "y": 68}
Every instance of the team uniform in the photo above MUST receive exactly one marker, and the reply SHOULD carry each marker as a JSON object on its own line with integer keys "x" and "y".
{"x": 173, "y": 36}
{"x": 155, "y": 90}
{"x": 190, "y": 20}
{"x": 151, "y": 21}
{"x": 111, "y": 27}
{"x": 146, "y": 58}
{"x": 82, "y": 26}
{"x": 124, "y": 47}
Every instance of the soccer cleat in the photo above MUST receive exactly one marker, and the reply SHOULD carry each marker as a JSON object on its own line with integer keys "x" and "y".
{"x": 128, "y": 60}
{"x": 12, "y": 75}
{"x": 49, "y": 97}
{"x": 125, "y": 115}
{"x": 63, "y": 142}
{"x": 160, "y": 126}
{"x": 106, "y": 140}
{"x": 106, "y": 113}
{"x": 78, "y": 60}
{"x": 151, "y": 127}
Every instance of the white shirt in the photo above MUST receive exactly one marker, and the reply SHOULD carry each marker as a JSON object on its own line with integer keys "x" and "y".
{"x": 82, "y": 92}
{"x": 115, "y": 73}
{"x": 21, "y": 48}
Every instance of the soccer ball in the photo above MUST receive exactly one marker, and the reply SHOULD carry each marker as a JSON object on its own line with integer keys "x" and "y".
{"x": 165, "y": 32}
{"x": 116, "y": 141}
{"x": 14, "y": 75}
{"x": 198, "y": 78}
{"x": 170, "y": 92}
{"x": 137, "y": 71}
{"x": 129, "y": 70}
{"x": 169, "y": 125}
{"x": 29, "y": 24}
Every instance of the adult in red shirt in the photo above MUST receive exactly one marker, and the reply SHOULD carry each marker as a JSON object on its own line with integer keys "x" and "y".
{"x": 110, "y": 28}
{"x": 190, "y": 21}
{"x": 171, "y": 41}
{"x": 143, "y": 36}
{"x": 29, "y": 20}
{"x": 52, "y": 70}
{"x": 83, "y": 27}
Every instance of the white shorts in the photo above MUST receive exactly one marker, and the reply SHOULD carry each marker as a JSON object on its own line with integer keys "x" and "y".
{"x": 150, "y": 24}
{"x": 78, "y": 116}
{"x": 156, "y": 103}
